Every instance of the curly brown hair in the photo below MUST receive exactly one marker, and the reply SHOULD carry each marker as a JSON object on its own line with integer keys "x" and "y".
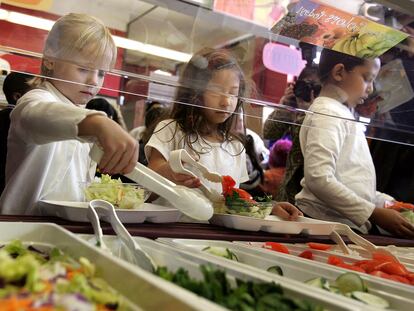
{"x": 188, "y": 105}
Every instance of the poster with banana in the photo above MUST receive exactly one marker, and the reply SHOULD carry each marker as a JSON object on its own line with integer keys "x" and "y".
{"x": 319, "y": 24}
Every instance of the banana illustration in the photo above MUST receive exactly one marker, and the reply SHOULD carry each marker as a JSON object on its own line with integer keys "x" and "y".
{"x": 368, "y": 39}
{"x": 352, "y": 46}
{"x": 358, "y": 45}
{"x": 339, "y": 45}
{"x": 365, "y": 53}
{"x": 381, "y": 45}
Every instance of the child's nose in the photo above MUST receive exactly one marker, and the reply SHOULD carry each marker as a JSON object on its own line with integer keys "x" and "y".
{"x": 226, "y": 100}
{"x": 93, "y": 78}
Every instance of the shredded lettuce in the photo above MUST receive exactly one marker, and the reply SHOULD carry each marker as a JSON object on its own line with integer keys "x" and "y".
{"x": 124, "y": 196}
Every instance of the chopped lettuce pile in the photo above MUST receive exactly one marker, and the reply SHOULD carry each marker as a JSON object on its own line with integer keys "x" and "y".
{"x": 125, "y": 196}
{"x": 31, "y": 279}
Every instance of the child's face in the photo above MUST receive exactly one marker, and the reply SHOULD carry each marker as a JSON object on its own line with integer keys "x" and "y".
{"x": 358, "y": 83}
{"x": 89, "y": 77}
{"x": 221, "y": 95}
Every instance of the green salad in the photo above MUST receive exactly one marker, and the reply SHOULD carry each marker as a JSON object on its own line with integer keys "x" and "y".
{"x": 33, "y": 279}
{"x": 125, "y": 196}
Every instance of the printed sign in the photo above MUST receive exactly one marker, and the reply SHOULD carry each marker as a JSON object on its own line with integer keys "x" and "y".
{"x": 31, "y": 4}
{"x": 331, "y": 28}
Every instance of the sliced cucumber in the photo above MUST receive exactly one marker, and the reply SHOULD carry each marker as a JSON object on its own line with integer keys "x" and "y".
{"x": 319, "y": 282}
{"x": 220, "y": 251}
{"x": 350, "y": 282}
{"x": 370, "y": 299}
{"x": 275, "y": 269}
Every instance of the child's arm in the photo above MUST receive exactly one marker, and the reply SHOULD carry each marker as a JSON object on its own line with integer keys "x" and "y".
{"x": 391, "y": 221}
{"x": 120, "y": 148}
{"x": 158, "y": 163}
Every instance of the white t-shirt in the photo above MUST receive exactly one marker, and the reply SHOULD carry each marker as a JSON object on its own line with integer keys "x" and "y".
{"x": 340, "y": 182}
{"x": 226, "y": 158}
{"x": 45, "y": 158}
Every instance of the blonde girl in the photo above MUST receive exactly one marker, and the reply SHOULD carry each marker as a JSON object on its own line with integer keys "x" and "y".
{"x": 47, "y": 149}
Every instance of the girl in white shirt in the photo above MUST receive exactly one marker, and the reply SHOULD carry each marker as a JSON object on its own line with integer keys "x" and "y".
{"x": 340, "y": 182}
{"x": 203, "y": 122}
{"x": 47, "y": 150}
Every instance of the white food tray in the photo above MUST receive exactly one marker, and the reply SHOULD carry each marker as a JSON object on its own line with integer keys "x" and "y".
{"x": 297, "y": 268}
{"x": 274, "y": 224}
{"x": 76, "y": 211}
{"x": 143, "y": 289}
{"x": 173, "y": 258}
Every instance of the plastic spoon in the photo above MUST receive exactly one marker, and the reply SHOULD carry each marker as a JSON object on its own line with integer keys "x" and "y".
{"x": 107, "y": 211}
{"x": 176, "y": 163}
{"x": 187, "y": 200}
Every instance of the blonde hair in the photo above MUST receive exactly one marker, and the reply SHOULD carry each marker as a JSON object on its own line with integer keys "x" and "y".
{"x": 75, "y": 35}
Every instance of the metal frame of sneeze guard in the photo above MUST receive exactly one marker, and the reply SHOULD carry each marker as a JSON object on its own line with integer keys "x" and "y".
{"x": 187, "y": 200}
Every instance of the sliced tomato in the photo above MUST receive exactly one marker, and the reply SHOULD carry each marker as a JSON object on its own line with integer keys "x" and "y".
{"x": 306, "y": 254}
{"x": 334, "y": 260}
{"x": 276, "y": 247}
{"x": 399, "y": 278}
{"x": 383, "y": 257}
{"x": 319, "y": 246}
{"x": 394, "y": 269}
{"x": 243, "y": 194}
{"x": 381, "y": 274}
{"x": 350, "y": 267}
{"x": 227, "y": 183}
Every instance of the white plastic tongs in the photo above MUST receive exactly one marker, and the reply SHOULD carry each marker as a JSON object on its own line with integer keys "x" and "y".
{"x": 180, "y": 156}
{"x": 187, "y": 200}
{"x": 357, "y": 239}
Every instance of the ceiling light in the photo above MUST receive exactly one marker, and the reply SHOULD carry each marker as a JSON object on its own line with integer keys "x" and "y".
{"x": 45, "y": 24}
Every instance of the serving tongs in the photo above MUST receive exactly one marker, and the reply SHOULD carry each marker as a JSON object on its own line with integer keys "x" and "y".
{"x": 187, "y": 200}
{"x": 102, "y": 209}
{"x": 342, "y": 229}
{"x": 180, "y": 156}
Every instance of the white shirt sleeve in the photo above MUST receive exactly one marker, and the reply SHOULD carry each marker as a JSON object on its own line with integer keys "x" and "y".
{"x": 40, "y": 118}
{"x": 324, "y": 142}
{"x": 163, "y": 139}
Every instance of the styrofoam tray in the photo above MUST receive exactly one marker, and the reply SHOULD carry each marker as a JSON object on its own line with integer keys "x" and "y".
{"x": 274, "y": 224}
{"x": 76, "y": 211}
{"x": 297, "y": 268}
{"x": 173, "y": 258}
{"x": 143, "y": 289}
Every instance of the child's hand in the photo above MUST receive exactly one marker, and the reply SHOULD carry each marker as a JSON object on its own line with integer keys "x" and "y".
{"x": 286, "y": 211}
{"x": 159, "y": 164}
{"x": 391, "y": 221}
{"x": 120, "y": 148}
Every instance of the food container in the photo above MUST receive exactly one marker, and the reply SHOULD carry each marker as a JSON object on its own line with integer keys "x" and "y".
{"x": 121, "y": 195}
{"x": 144, "y": 290}
{"x": 174, "y": 258}
{"x": 399, "y": 296}
{"x": 258, "y": 210}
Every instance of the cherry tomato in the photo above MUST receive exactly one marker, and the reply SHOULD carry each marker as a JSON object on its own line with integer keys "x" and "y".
{"x": 319, "y": 246}
{"x": 306, "y": 254}
{"x": 333, "y": 260}
{"x": 276, "y": 247}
